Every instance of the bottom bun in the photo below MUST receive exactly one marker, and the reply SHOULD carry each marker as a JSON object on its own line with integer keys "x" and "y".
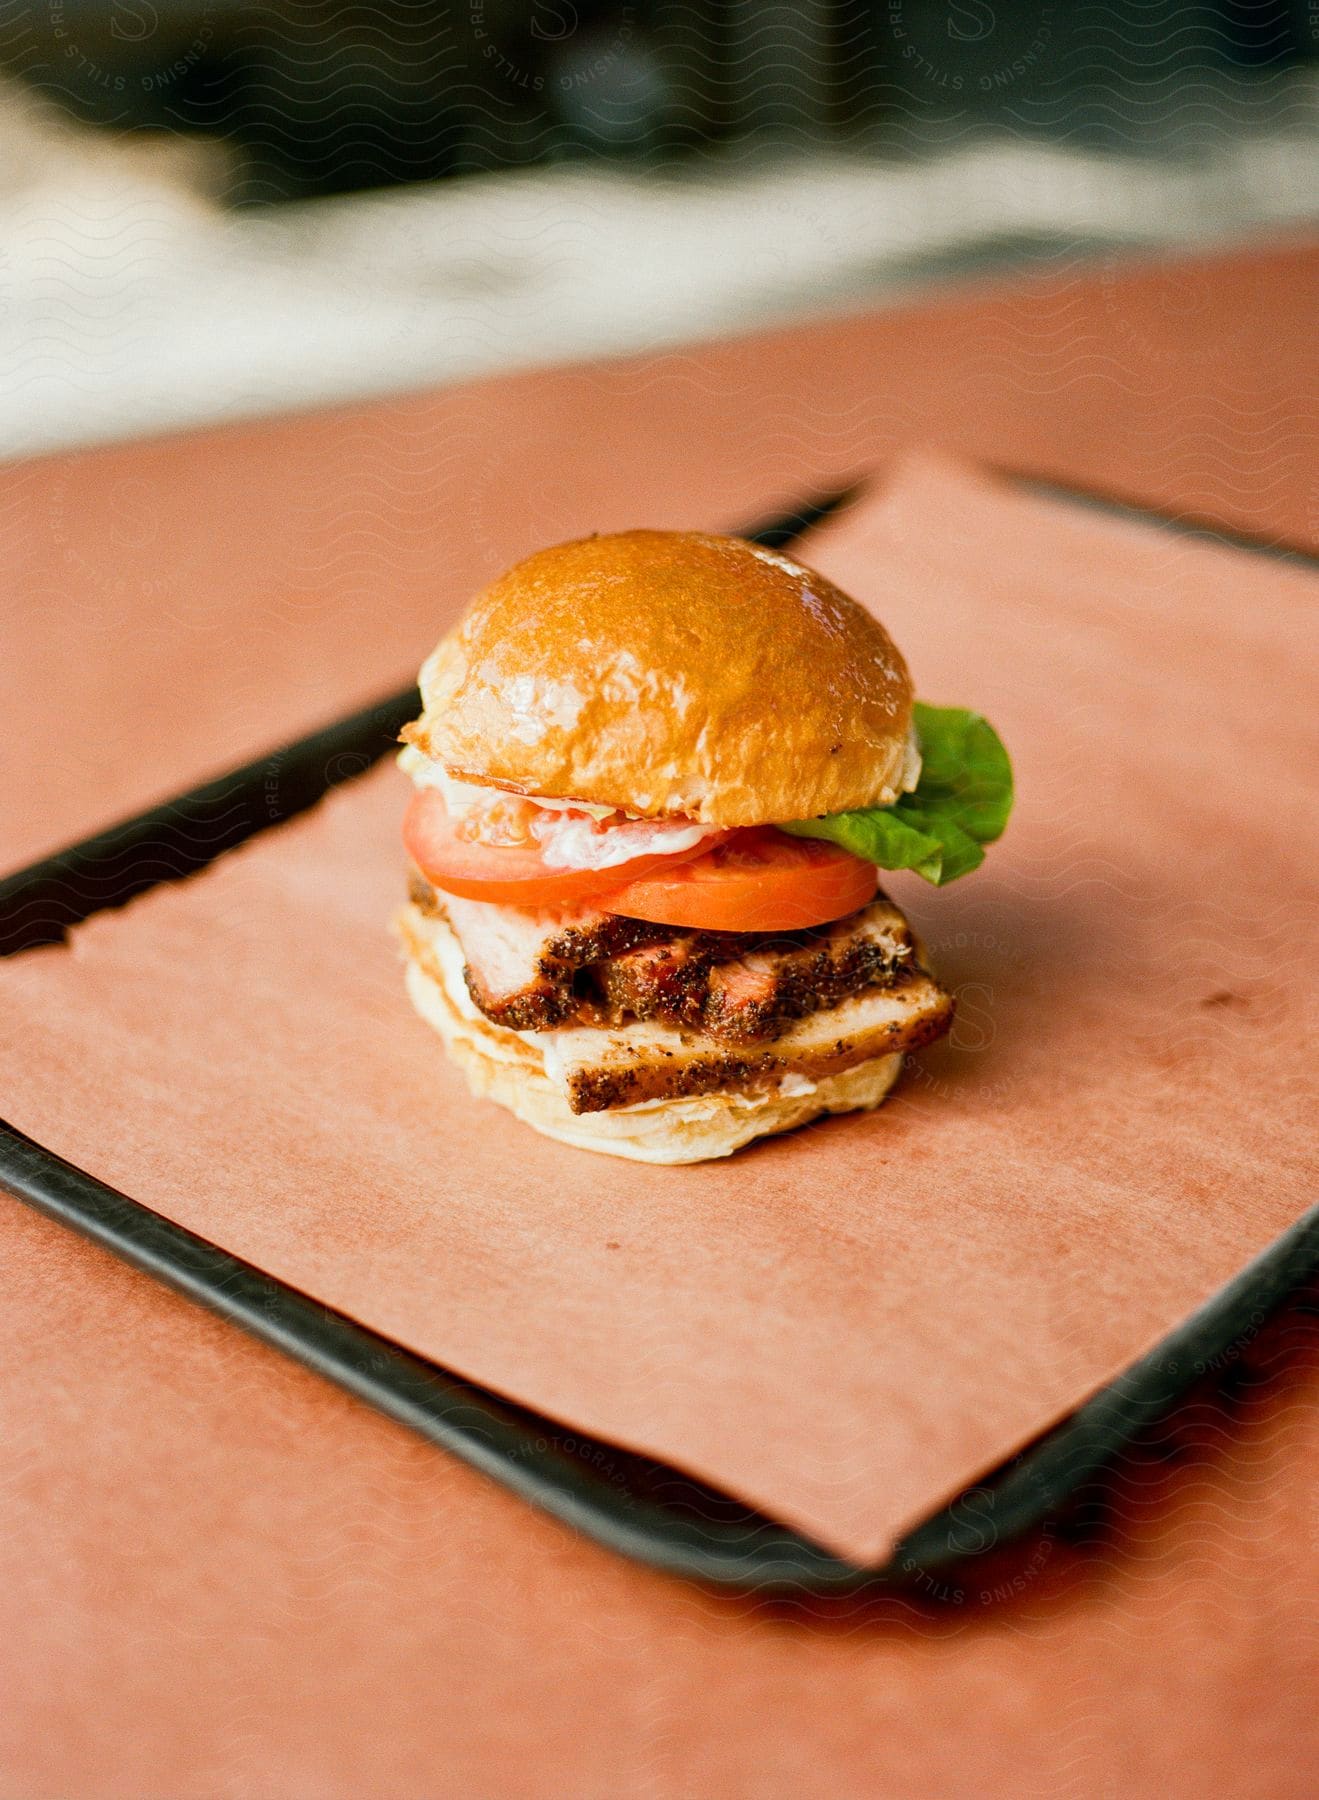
{"x": 505, "y": 1066}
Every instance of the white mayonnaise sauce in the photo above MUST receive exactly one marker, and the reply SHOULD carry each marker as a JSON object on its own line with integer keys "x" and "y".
{"x": 572, "y": 834}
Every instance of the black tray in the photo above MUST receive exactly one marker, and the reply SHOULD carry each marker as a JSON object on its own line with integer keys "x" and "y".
{"x": 642, "y": 1508}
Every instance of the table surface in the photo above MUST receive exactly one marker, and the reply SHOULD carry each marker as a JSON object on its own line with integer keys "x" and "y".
{"x": 375, "y": 1618}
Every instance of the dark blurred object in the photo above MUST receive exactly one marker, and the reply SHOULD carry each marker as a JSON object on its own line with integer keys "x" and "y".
{"x": 320, "y": 97}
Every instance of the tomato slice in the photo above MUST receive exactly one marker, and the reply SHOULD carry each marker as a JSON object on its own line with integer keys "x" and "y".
{"x": 509, "y": 875}
{"x": 758, "y": 880}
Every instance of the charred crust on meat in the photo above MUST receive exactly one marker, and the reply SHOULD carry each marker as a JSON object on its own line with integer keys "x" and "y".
{"x": 556, "y": 989}
{"x": 745, "y": 989}
{"x": 539, "y": 1008}
{"x": 751, "y": 1071}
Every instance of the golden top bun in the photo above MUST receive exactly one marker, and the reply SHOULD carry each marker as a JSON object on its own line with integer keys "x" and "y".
{"x": 671, "y": 673}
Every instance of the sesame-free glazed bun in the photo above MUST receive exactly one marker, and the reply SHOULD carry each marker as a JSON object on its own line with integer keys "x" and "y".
{"x": 671, "y": 672}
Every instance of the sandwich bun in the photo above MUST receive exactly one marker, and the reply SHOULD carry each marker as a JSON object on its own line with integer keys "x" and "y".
{"x": 671, "y": 673}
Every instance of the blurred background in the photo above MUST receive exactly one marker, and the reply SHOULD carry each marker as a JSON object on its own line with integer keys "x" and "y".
{"x": 213, "y": 209}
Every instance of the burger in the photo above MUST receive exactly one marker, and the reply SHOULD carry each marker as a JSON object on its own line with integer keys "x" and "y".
{"x": 656, "y": 776}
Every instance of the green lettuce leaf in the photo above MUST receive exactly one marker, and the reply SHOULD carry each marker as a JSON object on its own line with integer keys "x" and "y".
{"x": 962, "y": 801}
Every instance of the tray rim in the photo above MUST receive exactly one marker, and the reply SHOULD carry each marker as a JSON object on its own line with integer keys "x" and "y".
{"x": 740, "y": 1549}
{"x": 747, "y": 1551}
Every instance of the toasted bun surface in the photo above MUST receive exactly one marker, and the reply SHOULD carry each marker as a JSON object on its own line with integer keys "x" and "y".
{"x": 671, "y": 673}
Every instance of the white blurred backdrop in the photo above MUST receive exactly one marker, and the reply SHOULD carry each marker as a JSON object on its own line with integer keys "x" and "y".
{"x": 136, "y": 296}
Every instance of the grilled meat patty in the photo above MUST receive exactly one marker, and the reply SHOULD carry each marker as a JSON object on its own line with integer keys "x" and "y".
{"x": 537, "y": 970}
{"x": 745, "y": 989}
{"x": 600, "y": 1068}
{"x": 523, "y": 963}
{"x": 653, "y": 1061}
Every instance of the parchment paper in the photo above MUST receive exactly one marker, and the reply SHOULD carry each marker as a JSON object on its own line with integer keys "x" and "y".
{"x": 848, "y": 1325}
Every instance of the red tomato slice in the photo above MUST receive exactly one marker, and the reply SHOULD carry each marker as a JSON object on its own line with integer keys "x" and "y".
{"x": 510, "y": 875}
{"x": 758, "y": 880}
